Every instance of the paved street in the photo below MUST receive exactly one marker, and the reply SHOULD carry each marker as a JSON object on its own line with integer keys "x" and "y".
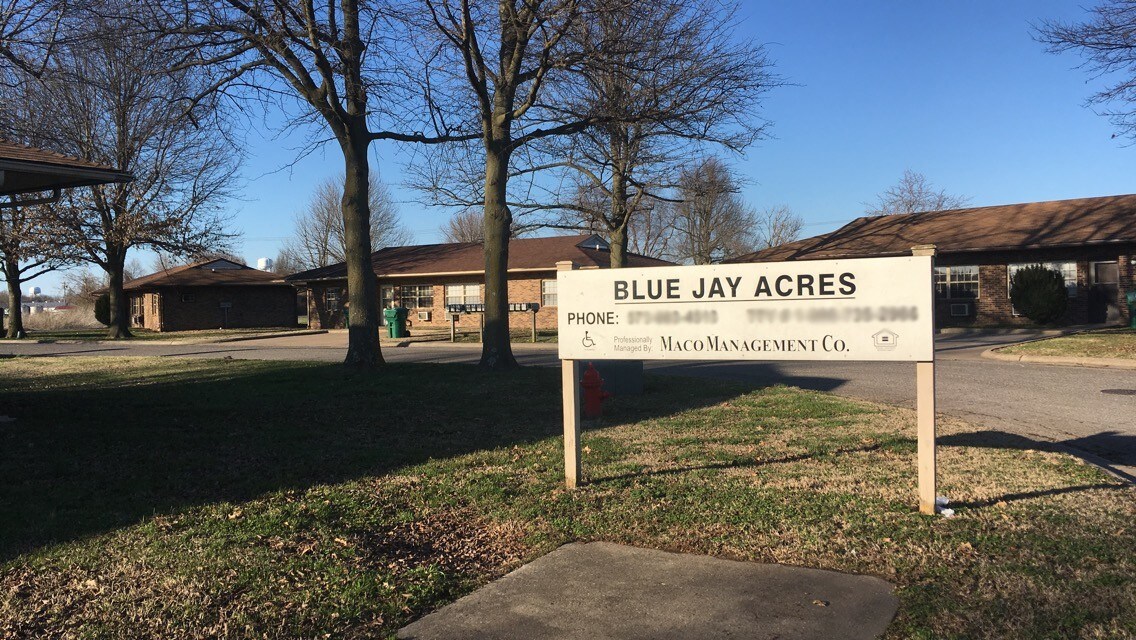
{"x": 1091, "y": 409}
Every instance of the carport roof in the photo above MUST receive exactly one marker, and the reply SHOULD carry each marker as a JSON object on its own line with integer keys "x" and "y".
{"x": 25, "y": 169}
{"x": 1031, "y": 225}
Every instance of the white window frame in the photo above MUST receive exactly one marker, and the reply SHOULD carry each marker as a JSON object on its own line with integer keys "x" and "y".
{"x": 464, "y": 293}
{"x": 415, "y": 293}
{"x": 548, "y": 294}
{"x": 948, "y": 280}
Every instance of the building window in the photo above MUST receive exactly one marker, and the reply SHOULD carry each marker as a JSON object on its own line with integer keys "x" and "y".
{"x": 548, "y": 293}
{"x": 188, "y": 297}
{"x": 463, "y": 294}
{"x": 1068, "y": 271}
{"x": 956, "y": 283}
{"x": 331, "y": 299}
{"x": 136, "y": 307}
{"x": 154, "y": 304}
{"x": 417, "y": 296}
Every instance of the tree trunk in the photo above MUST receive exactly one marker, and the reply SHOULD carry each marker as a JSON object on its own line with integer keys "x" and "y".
{"x": 496, "y": 350}
{"x": 119, "y": 303}
{"x": 617, "y": 238}
{"x": 15, "y": 302}
{"x": 617, "y": 241}
{"x": 363, "y": 349}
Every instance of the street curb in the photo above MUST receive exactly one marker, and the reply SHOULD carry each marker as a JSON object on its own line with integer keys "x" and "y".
{"x": 174, "y": 343}
{"x": 1105, "y": 363}
{"x": 263, "y": 336}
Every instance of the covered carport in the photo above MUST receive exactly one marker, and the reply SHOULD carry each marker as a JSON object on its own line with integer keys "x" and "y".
{"x": 30, "y": 176}
{"x": 35, "y": 176}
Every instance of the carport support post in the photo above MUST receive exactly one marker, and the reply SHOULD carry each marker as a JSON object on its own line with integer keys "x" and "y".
{"x": 534, "y": 327}
{"x": 570, "y": 388}
{"x": 925, "y": 412}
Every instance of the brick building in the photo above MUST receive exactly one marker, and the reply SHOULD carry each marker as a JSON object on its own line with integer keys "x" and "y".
{"x": 1091, "y": 241}
{"x": 426, "y": 278}
{"x": 214, "y": 294}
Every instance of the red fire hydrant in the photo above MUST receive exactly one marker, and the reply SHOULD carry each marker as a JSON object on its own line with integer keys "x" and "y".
{"x": 594, "y": 395}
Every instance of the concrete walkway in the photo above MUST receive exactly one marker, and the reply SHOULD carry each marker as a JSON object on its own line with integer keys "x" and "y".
{"x": 608, "y": 591}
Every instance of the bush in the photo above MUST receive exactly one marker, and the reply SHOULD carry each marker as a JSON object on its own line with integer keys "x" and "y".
{"x": 1039, "y": 294}
{"x": 102, "y": 309}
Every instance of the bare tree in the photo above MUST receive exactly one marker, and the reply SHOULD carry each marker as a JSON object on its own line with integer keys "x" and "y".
{"x": 912, "y": 194}
{"x": 776, "y": 226}
{"x": 1107, "y": 42}
{"x": 650, "y": 232}
{"x": 29, "y": 32}
{"x": 711, "y": 221}
{"x": 319, "y": 238}
{"x": 328, "y": 60}
{"x": 464, "y": 226}
{"x": 80, "y": 285}
{"x": 113, "y": 99}
{"x": 501, "y": 62}
{"x": 30, "y": 246}
{"x": 665, "y": 77}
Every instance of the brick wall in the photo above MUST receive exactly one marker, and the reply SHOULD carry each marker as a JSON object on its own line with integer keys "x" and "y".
{"x": 250, "y": 307}
{"x": 993, "y": 305}
{"x": 522, "y": 288}
{"x": 150, "y": 316}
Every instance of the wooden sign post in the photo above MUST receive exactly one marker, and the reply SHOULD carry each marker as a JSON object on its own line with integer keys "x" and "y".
{"x": 869, "y": 309}
{"x": 925, "y": 415}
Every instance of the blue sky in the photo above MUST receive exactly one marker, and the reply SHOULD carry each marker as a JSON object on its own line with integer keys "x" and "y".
{"x": 958, "y": 91}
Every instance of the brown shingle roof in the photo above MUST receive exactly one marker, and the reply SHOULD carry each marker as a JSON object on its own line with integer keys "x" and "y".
{"x": 199, "y": 274}
{"x": 1032, "y": 225}
{"x": 525, "y": 254}
{"x": 29, "y": 169}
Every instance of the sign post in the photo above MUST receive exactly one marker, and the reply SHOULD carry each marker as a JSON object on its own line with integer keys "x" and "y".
{"x": 870, "y": 309}
{"x": 925, "y": 416}
{"x": 570, "y": 385}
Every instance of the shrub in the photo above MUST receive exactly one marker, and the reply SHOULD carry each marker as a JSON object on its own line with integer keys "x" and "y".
{"x": 102, "y": 309}
{"x": 1039, "y": 294}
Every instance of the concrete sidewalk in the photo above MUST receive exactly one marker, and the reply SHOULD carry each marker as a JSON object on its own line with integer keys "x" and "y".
{"x": 608, "y": 591}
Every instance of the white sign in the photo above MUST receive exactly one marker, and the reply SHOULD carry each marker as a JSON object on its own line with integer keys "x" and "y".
{"x": 862, "y": 309}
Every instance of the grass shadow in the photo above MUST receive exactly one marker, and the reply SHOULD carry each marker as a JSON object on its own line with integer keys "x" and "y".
{"x": 729, "y": 464}
{"x": 98, "y": 444}
{"x": 1105, "y": 449}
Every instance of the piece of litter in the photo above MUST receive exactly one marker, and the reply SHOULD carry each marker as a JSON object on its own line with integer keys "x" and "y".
{"x": 942, "y": 501}
{"x": 947, "y": 513}
{"x": 821, "y": 603}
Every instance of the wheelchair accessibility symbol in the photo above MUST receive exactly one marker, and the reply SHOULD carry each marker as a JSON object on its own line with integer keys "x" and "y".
{"x": 587, "y": 341}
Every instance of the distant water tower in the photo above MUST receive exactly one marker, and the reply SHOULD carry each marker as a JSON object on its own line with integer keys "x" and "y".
{"x": 264, "y": 264}
{"x": 35, "y": 291}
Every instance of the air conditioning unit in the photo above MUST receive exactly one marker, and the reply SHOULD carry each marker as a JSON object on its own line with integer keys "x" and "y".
{"x": 424, "y": 316}
{"x": 960, "y": 310}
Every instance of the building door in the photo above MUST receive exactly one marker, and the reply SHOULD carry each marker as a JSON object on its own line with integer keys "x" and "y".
{"x": 386, "y": 300}
{"x": 1104, "y": 293}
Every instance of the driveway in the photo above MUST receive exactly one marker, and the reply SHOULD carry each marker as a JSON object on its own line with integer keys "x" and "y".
{"x": 1091, "y": 410}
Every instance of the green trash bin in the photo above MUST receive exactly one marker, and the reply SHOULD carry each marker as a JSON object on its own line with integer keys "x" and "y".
{"x": 1131, "y": 309}
{"x": 396, "y": 321}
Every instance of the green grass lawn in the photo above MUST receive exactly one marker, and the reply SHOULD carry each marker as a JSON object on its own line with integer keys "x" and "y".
{"x": 146, "y": 334}
{"x": 182, "y": 498}
{"x": 1105, "y": 343}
